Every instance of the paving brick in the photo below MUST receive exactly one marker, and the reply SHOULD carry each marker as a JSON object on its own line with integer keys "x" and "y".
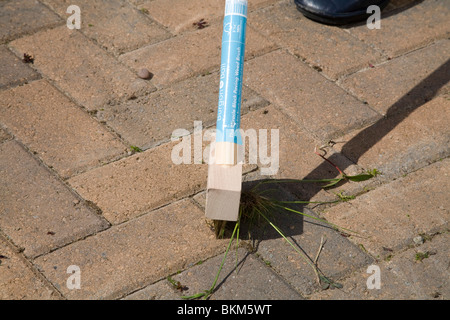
{"x": 58, "y": 131}
{"x": 404, "y": 82}
{"x": 80, "y": 68}
{"x": 189, "y": 54}
{"x": 409, "y": 29}
{"x": 296, "y": 146}
{"x": 179, "y": 15}
{"x": 132, "y": 186}
{"x": 393, "y": 214}
{"x": 403, "y": 277}
{"x": 18, "y": 281}
{"x": 251, "y": 280}
{"x": 296, "y": 157}
{"x": 134, "y": 254}
{"x": 329, "y": 49}
{"x": 151, "y": 119}
{"x": 338, "y": 259}
{"x": 402, "y": 143}
{"x": 115, "y": 25}
{"x": 314, "y": 102}
{"x": 37, "y": 211}
{"x": 18, "y": 17}
{"x": 243, "y": 277}
{"x": 135, "y": 185}
{"x": 13, "y": 70}
{"x": 428, "y": 278}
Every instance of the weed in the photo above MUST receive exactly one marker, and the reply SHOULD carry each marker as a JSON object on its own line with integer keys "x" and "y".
{"x": 135, "y": 149}
{"x": 28, "y": 58}
{"x": 421, "y": 255}
{"x": 201, "y": 24}
{"x": 257, "y": 208}
{"x": 199, "y": 262}
{"x": 176, "y": 284}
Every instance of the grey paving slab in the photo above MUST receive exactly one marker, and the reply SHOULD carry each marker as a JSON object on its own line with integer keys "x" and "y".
{"x": 419, "y": 273}
{"x": 405, "y": 82}
{"x": 401, "y": 143}
{"x": 243, "y": 277}
{"x": 337, "y": 259}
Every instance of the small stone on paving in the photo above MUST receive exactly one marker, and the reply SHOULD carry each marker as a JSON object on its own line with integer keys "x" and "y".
{"x": 189, "y": 54}
{"x": 3, "y": 135}
{"x": 149, "y": 120}
{"x": 80, "y": 68}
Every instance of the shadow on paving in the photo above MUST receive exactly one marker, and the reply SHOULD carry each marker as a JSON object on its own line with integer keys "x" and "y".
{"x": 293, "y": 224}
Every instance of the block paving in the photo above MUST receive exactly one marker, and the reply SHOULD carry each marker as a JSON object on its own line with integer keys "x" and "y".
{"x": 86, "y": 147}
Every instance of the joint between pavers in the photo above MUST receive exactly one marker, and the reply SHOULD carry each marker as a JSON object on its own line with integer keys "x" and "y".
{"x": 29, "y": 263}
{"x": 115, "y": 134}
{"x": 338, "y": 82}
{"x": 58, "y": 178}
{"x": 272, "y": 270}
{"x": 30, "y": 33}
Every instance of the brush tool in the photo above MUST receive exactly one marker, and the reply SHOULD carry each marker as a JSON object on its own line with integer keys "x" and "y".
{"x": 225, "y": 165}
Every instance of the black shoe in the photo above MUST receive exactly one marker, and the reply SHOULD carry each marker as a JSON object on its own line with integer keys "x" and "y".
{"x": 337, "y": 11}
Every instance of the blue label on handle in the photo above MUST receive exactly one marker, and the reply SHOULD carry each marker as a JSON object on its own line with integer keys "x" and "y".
{"x": 231, "y": 74}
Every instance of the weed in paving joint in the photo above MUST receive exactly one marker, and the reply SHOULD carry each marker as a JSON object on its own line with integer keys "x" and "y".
{"x": 257, "y": 208}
